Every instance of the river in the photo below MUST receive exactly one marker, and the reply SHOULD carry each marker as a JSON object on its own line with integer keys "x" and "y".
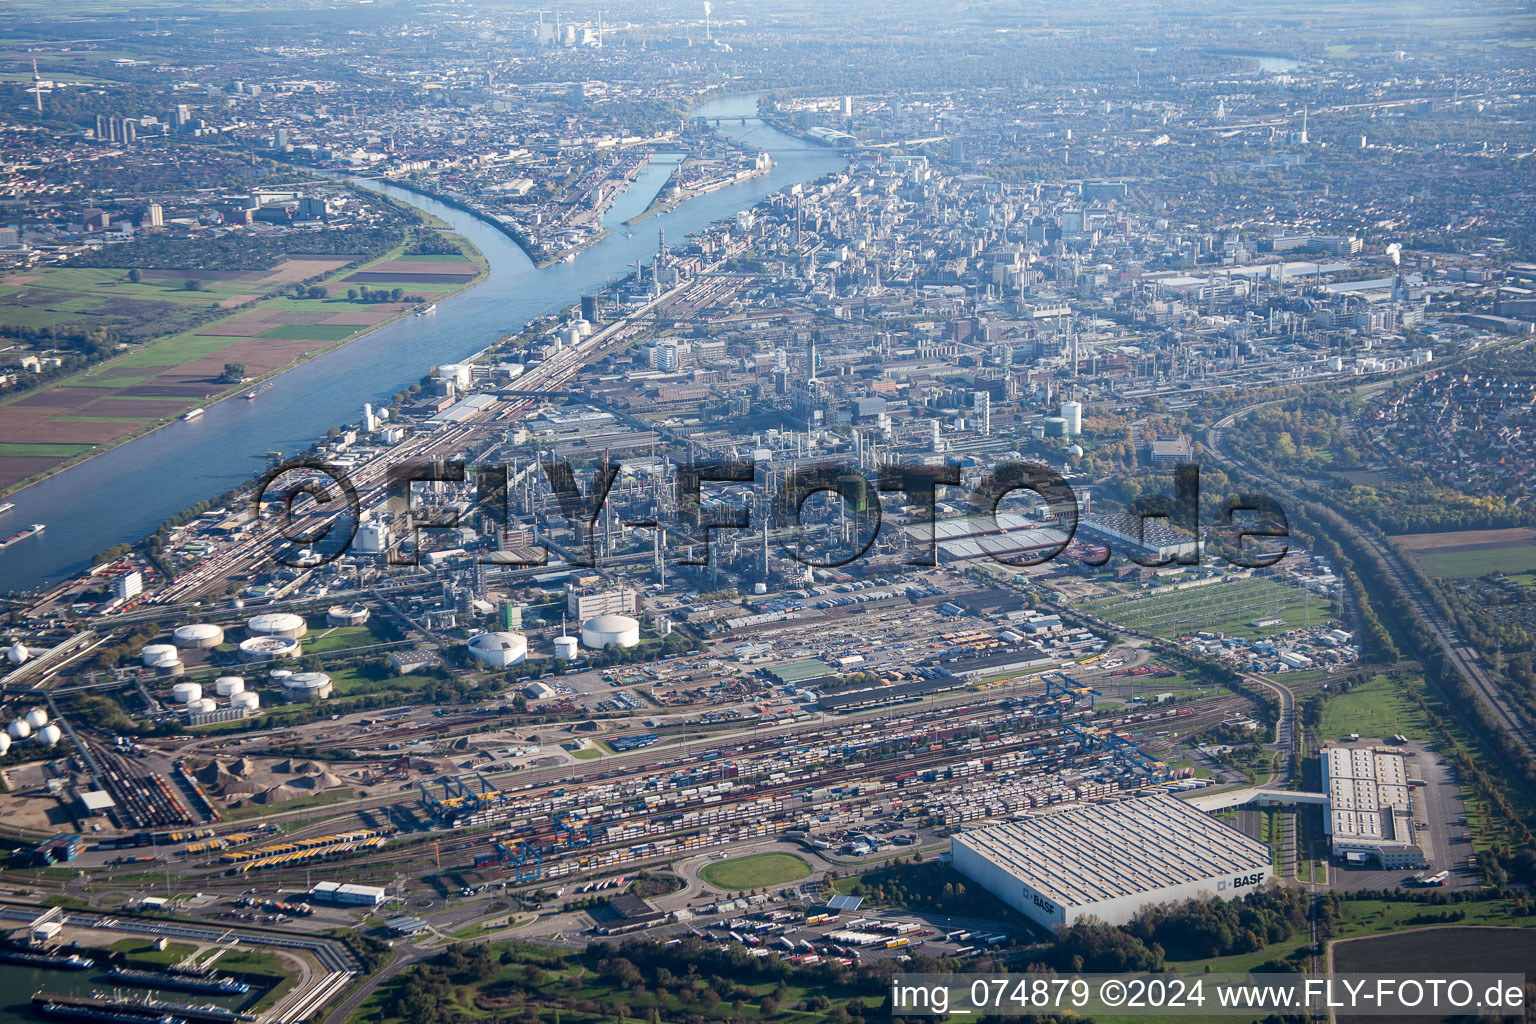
{"x": 126, "y": 493}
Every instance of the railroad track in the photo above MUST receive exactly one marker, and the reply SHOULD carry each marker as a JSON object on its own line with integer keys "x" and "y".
{"x": 1206, "y": 711}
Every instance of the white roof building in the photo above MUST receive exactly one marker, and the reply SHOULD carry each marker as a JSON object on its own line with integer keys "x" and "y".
{"x": 1110, "y": 860}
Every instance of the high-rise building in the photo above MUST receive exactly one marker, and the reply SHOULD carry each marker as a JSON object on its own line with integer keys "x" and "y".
{"x": 589, "y": 605}
{"x": 154, "y": 216}
{"x": 128, "y": 585}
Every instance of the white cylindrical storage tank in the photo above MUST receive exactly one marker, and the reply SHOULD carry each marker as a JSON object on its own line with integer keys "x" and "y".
{"x": 268, "y": 648}
{"x": 186, "y": 693}
{"x": 5, "y": 743}
{"x": 202, "y": 704}
{"x": 198, "y": 635}
{"x": 1072, "y": 412}
{"x": 307, "y": 686}
{"x": 499, "y": 649}
{"x": 48, "y": 735}
{"x": 610, "y": 631}
{"x": 19, "y": 729}
{"x": 346, "y": 615}
{"x": 17, "y": 653}
{"x": 37, "y": 718}
{"x": 565, "y": 647}
{"x": 245, "y": 699}
{"x": 228, "y": 686}
{"x": 159, "y": 655}
{"x": 277, "y": 675}
{"x": 277, "y": 624}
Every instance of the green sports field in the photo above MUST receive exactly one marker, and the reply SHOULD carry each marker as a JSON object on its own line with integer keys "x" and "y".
{"x": 755, "y": 872}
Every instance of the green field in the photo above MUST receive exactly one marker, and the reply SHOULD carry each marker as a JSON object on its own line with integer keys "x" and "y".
{"x": 1460, "y": 565}
{"x": 755, "y": 872}
{"x": 1376, "y": 710}
{"x": 1377, "y": 917}
{"x": 56, "y": 451}
{"x": 1217, "y": 608}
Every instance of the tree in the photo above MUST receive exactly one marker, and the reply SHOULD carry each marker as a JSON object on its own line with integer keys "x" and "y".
{"x": 192, "y": 284}
{"x": 319, "y": 291}
{"x": 135, "y": 275}
{"x": 232, "y": 372}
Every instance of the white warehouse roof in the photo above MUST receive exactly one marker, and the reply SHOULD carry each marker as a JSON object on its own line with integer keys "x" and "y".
{"x": 1085, "y": 858}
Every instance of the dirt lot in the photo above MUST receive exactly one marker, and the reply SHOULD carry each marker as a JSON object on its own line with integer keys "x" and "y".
{"x": 1467, "y": 540}
{"x": 14, "y": 468}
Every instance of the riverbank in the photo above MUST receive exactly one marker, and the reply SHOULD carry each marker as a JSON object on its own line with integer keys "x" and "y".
{"x": 660, "y": 206}
{"x": 107, "y": 386}
{"x": 128, "y": 492}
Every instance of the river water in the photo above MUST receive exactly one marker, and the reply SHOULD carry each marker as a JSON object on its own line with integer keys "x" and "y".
{"x": 126, "y": 493}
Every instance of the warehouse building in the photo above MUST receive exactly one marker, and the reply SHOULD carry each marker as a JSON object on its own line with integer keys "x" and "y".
{"x": 1110, "y": 860}
{"x": 1370, "y": 810}
{"x": 1149, "y": 539}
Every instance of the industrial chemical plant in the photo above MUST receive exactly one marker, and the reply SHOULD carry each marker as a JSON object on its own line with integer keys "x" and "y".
{"x": 1009, "y": 493}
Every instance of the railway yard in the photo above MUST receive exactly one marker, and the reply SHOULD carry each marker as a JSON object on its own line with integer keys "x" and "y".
{"x": 358, "y": 760}
{"x": 502, "y": 709}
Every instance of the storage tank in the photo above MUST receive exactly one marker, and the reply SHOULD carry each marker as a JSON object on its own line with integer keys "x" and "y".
{"x": 186, "y": 693}
{"x": 610, "y": 631}
{"x": 198, "y": 635}
{"x": 5, "y": 743}
{"x": 268, "y": 648}
{"x": 48, "y": 735}
{"x": 17, "y": 653}
{"x": 499, "y": 649}
{"x": 565, "y": 647}
{"x": 228, "y": 686}
{"x": 245, "y": 699}
{"x": 277, "y": 624}
{"x": 307, "y": 686}
{"x": 19, "y": 729}
{"x": 346, "y": 615}
{"x": 202, "y": 704}
{"x": 37, "y": 718}
{"x": 159, "y": 655}
{"x": 1072, "y": 412}
{"x": 277, "y": 675}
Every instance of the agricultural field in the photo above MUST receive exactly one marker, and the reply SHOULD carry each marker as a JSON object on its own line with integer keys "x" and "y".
{"x": 1438, "y": 951}
{"x": 1473, "y": 553}
{"x": 761, "y": 869}
{"x": 1217, "y": 608}
{"x": 209, "y": 334}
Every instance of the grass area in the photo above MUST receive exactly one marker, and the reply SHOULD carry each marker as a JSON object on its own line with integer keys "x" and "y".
{"x": 311, "y": 332}
{"x": 1377, "y": 917}
{"x": 328, "y": 639}
{"x": 586, "y": 753}
{"x": 318, "y": 800}
{"x": 143, "y": 952}
{"x": 55, "y": 451}
{"x": 1227, "y": 608}
{"x": 1478, "y": 561}
{"x": 755, "y": 872}
{"x": 1375, "y": 710}
{"x": 548, "y": 986}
